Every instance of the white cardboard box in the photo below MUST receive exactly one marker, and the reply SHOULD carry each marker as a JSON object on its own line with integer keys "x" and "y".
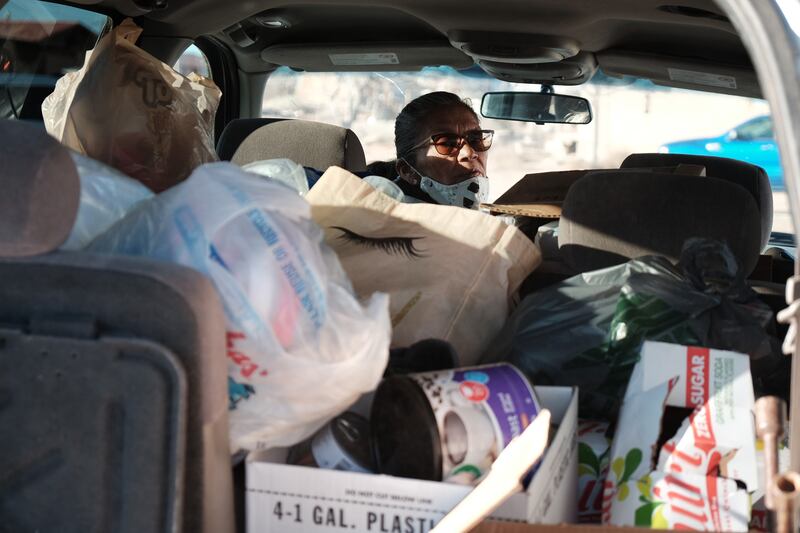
{"x": 680, "y": 490}
{"x": 287, "y": 498}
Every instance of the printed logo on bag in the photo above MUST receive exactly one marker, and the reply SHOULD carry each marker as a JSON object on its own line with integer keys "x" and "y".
{"x": 247, "y": 367}
{"x": 238, "y": 392}
{"x": 155, "y": 93}
{"x": 402, "y": 246}
{"x": 697, "y": 370}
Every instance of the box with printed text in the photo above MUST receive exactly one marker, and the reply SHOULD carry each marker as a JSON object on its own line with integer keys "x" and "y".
{"x": 288, "y": 498}
{"x": 700, "y": 477}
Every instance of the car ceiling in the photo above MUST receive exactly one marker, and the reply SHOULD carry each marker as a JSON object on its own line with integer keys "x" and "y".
{"x": 642, "y": 38}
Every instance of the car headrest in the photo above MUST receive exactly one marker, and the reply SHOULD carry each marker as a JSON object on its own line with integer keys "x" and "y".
{"x": 238, "y": 130}
{"x": 40, "y": 191}
{"x": 751, "y": 177}
{"x": 311, "y": 144}
{"x": 611, "y": 217}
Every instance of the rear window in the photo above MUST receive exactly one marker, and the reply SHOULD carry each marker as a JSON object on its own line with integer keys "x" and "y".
{"x": 193, "y": 60}
{"x": 39, "y": 43}
{"x": 630, "y": 116}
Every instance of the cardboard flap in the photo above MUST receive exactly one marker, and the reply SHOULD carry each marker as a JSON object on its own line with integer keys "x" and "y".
{"x": 537, "y": 195}
{"x": 542, "y": 187}
{"x": 525, "y": 210}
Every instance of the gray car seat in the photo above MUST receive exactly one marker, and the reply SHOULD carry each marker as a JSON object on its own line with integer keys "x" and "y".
{"x": 312, "y": 144}
{"x": 535, "y": 201}
{"x": 113, "y": 382}
{"x": 611, "y": 217}
{"x": 236, "y": 131}
{"x": 753, "y": 178}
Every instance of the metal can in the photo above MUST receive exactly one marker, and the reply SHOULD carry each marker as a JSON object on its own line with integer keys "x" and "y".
{"x": 449, "y": 425}
{"x": 342, "y": 444}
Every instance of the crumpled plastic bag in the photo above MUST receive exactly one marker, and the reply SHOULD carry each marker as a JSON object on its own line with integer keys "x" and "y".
{"x": 386, "y": 186}
{"x": 106, "y": 197}
{"x": 587, "y": 331}
{"x": 285, "y": 171}
{"x": 129, "y": 110}
{"x": 301, "y": 347}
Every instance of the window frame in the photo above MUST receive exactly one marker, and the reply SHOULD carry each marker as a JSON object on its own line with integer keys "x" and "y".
{"x": 224, "y": 72}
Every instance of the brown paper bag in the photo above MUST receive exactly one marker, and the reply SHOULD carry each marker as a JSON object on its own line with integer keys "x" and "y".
{"x": 451, "y": 272}
{"x": 131, "y": 111}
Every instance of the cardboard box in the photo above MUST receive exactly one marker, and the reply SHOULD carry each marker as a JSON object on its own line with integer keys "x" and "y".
{"x": 594, "y": 448}
{"x": 492, "y": 526}
{"x": 675, "y": 487}
{"x": 286, "y": 498}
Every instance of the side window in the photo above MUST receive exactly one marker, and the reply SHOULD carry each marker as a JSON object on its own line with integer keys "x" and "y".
{"x": 193, "y": 60}
{"x": 757, "y": 129}
{"x": 39, "y": 43}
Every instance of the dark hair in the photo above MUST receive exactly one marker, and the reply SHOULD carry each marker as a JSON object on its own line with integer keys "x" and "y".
{"x": 410, "y": 120}
{"x": 385, "y": 169}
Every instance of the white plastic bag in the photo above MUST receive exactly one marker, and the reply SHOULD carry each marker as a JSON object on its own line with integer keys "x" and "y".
{"x": 386, "y": 186}
{"x": 106, "y": 197}
{"x": 301, "y": 347}
{"x": 283, "y": 171}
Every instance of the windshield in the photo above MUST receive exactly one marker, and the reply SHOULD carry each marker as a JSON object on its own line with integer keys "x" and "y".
{"x": 39, "y": 43}
{"x": 630, "y": 116}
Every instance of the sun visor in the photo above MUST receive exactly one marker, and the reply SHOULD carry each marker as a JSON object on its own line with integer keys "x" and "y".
{"x": 572, "y": 71}
{"x": 681, "y": 72}
{"x": 392, "y": 56}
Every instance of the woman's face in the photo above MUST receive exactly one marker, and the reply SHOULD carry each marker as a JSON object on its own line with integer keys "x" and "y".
{"x": 449, "y": 170}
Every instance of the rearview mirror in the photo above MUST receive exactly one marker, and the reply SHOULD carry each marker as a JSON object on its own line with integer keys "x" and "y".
{"x": 536, "y": 107}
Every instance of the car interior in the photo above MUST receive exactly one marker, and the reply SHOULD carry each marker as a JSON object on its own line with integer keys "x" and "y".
{"x": 167, "y": 320}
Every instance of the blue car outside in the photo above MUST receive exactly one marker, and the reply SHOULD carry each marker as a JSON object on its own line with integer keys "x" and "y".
{"x": 751, "y": 141}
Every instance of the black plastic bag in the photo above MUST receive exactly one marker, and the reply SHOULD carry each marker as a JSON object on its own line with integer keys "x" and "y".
{"x": 587, "y": 331}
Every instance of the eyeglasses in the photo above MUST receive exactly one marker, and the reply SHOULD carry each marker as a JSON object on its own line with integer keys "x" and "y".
{"x": 450, "y": 144}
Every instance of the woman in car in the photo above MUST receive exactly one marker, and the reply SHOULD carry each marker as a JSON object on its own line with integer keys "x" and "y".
{"x": 442, "y": 152}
